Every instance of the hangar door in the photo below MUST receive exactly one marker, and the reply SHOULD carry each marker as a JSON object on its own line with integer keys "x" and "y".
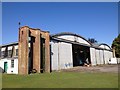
{"x": 81, "y": 55}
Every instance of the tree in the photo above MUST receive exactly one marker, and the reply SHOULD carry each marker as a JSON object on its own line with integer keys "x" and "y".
{"x": 116, "y": 46}
{"x": 92, "y": 40}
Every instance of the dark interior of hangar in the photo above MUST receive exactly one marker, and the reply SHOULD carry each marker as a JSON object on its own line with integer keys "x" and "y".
{"x": 81, "y": 55}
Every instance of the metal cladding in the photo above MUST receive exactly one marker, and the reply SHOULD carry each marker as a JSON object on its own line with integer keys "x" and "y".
{"x": 33, "y": 36}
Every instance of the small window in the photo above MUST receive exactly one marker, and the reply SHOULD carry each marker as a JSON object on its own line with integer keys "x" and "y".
{"x": 16, "y": 52}
{"x": 2, "y": 54}
{"x": 12, "y": 63}
{"x": 9, "y": 53}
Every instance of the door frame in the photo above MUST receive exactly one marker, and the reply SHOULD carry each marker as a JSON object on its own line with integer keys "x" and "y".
{"x": 5, "y": 66}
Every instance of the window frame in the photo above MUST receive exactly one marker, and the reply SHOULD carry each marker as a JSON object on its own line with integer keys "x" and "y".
{"x": 9, "y": 53}
{"x": 16, "y": 52}
{"x": 3, "y": 54}
{"x": 12, "y": 63}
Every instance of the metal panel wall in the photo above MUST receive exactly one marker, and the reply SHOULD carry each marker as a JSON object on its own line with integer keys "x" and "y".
{"x": 54, "y": 55}
{"x": 111, "y": 54}
{"x": 101, "y": 57}
{"x": 92, "y": 55}
{"x": 118, "y": 60}
{"x": 106, "y": 56}
{"x": 97, "y": 57}
{"x": 65, "y": 55}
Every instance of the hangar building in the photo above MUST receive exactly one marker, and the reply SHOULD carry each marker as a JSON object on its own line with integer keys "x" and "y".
{"x": 38, "y": 51}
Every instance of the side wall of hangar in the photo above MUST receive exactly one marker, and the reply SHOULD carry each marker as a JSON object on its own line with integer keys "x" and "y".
{"x": 69, "y": 50}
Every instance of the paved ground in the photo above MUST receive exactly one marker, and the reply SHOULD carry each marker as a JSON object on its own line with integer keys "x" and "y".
{"x": 100, "y": 68}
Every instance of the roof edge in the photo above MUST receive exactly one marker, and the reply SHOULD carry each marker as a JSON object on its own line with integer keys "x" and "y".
{"x": 69, "y": 33}
{"x": 105, "y": 44}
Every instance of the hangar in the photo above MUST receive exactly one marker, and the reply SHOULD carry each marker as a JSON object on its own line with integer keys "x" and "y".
{"x": 39, "y": 51}
{"x": 69, "y": 50}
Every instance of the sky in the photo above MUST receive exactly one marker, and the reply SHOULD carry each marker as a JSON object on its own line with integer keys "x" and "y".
{"x": 97, "y": 20}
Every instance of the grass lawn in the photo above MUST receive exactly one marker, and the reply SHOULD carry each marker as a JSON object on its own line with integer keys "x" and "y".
{"x": 61, "y": 80}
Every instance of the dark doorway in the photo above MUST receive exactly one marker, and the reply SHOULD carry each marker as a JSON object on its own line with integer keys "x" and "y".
{"x": 42, "y": 64}
{"x": 32, "y": 41}
{"x": 81, "y": 55}
{"x": 5, "y": 67}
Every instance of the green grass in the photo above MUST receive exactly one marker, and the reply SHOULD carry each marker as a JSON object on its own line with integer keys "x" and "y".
{"x": 61, "y": 80}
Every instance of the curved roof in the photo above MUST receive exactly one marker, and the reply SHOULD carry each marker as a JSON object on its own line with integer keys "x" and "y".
{"x": 105, "y": 45}
{"x": 72, "y": 34}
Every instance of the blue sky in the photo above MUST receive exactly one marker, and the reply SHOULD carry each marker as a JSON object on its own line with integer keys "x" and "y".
{"x": 89, "y": 19}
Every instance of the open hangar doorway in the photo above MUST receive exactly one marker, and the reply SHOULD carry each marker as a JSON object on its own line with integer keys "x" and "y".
{"x": 81, "y": 55}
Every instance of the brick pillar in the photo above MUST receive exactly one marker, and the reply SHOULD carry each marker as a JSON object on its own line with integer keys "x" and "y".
{"x": 23, "y": 50}
{"x": 36, "y": 51}
{"x": 47, "y": 52}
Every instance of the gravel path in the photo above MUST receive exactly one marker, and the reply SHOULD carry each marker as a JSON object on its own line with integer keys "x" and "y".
{"x": 100, "y": 68}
